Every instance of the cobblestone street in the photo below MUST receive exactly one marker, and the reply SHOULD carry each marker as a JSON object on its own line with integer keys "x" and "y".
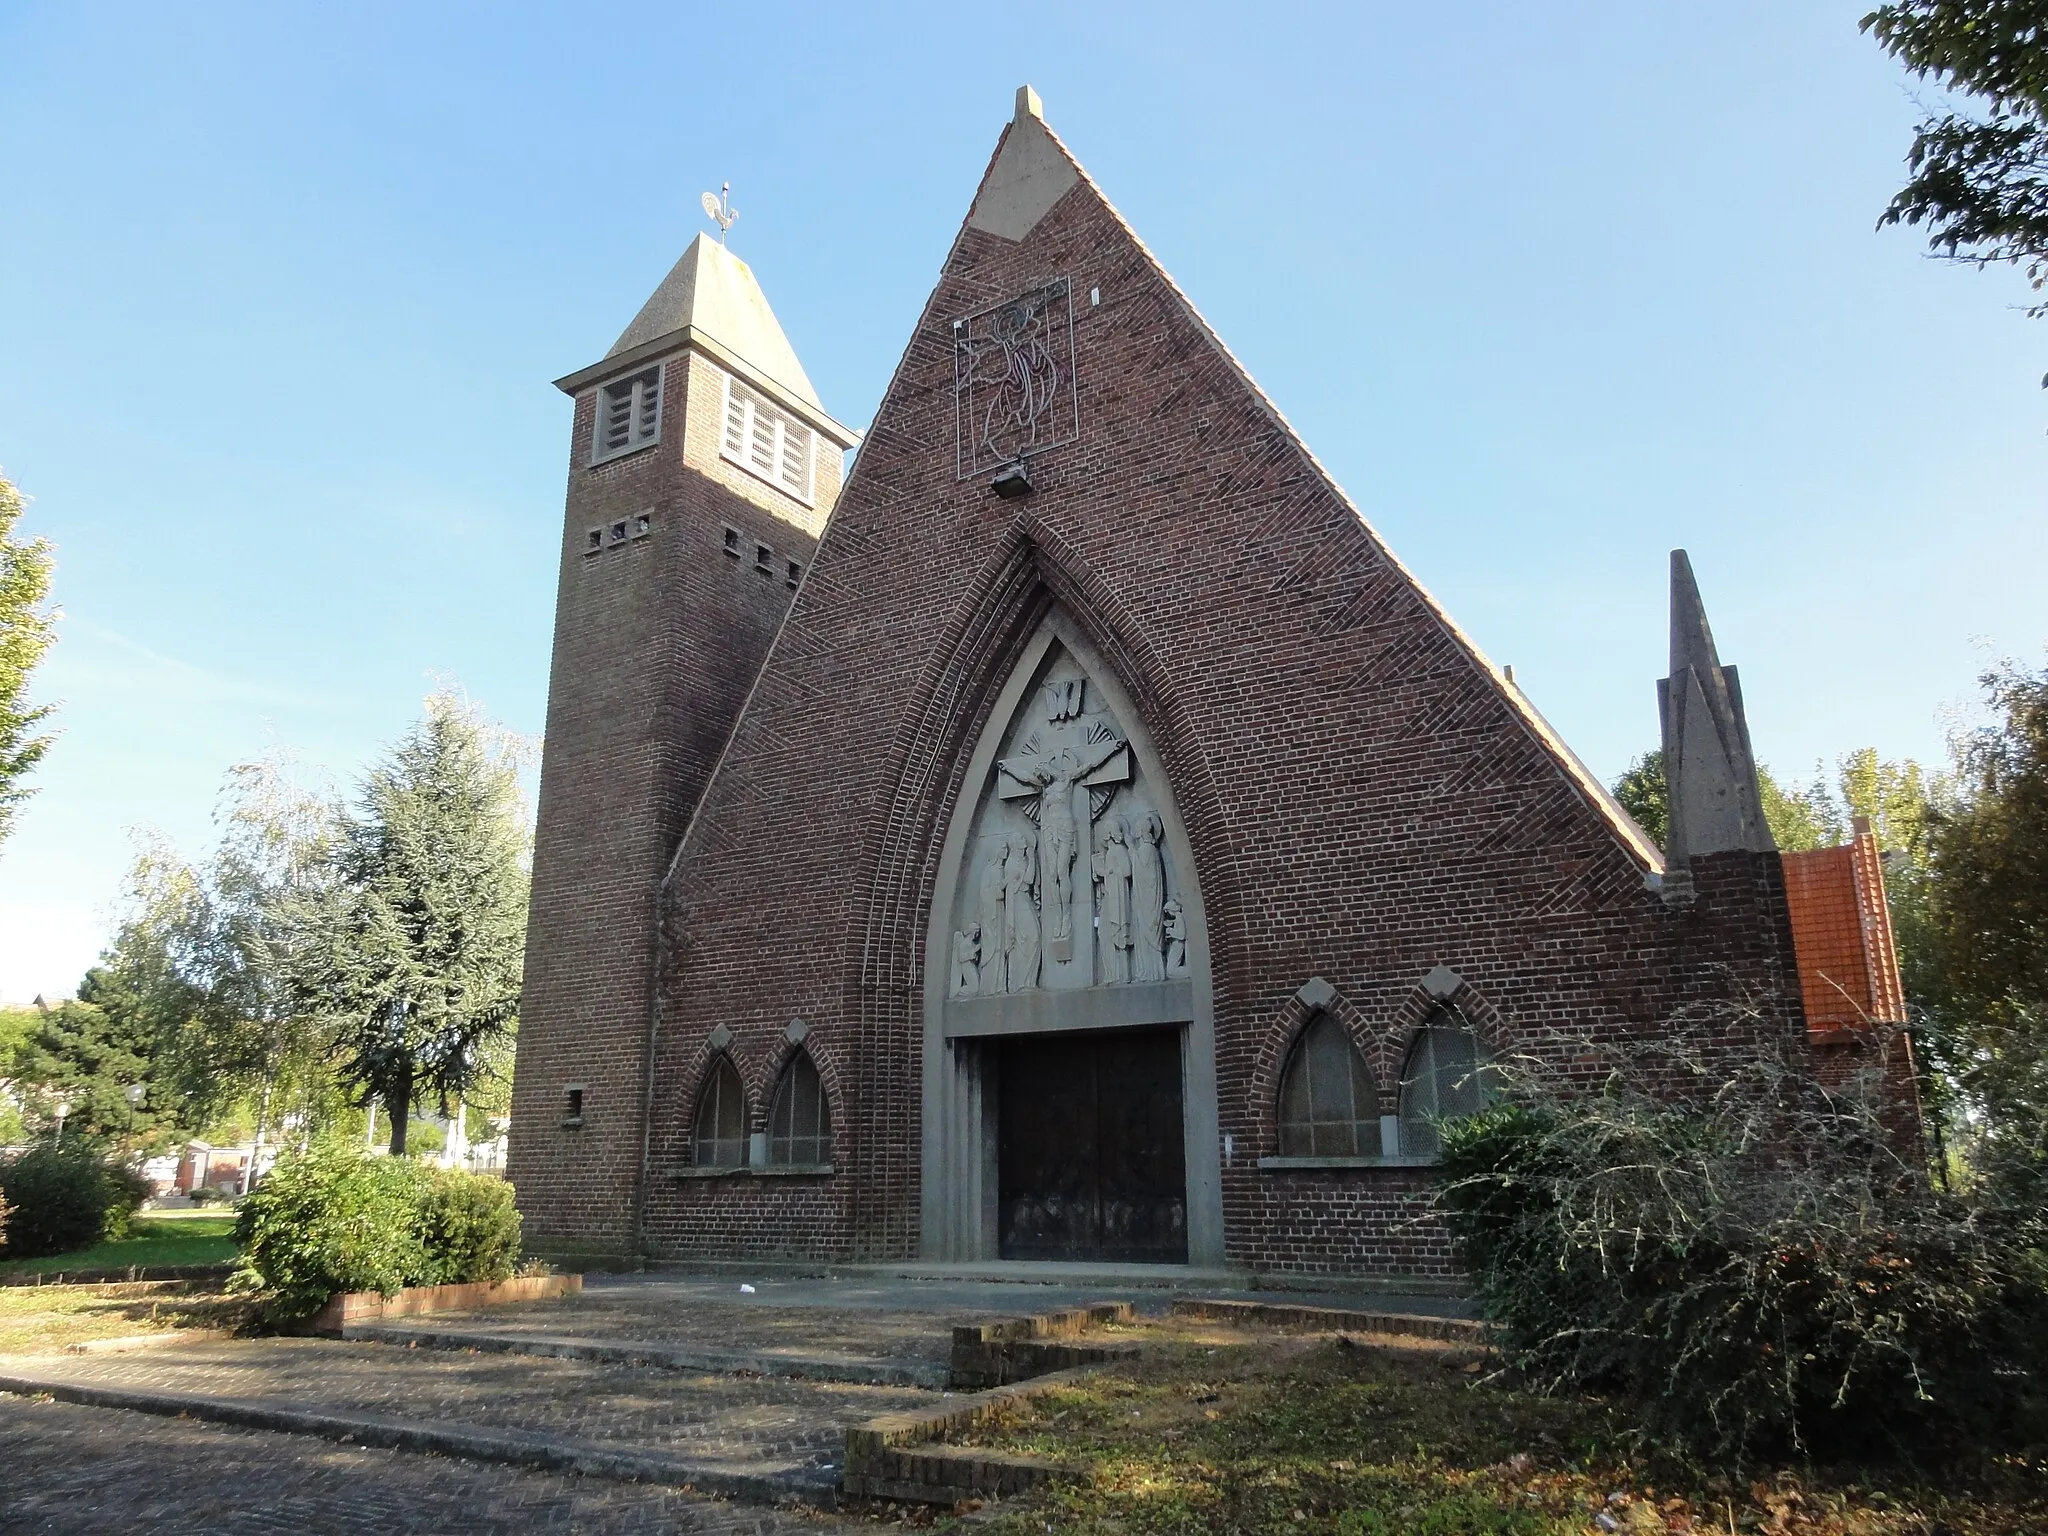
{"x": 73, "y": 1470}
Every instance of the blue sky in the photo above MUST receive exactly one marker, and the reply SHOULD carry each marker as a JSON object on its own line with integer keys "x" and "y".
{"x": 1549, "y": 289}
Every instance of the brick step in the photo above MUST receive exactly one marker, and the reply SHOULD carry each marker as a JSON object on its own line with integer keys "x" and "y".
{"x": 859, "y": 1371}
{"x": 526, "y": 1448}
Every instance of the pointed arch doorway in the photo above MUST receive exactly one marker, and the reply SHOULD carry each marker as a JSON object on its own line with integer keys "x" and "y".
{"x": 1069, "y": 1064}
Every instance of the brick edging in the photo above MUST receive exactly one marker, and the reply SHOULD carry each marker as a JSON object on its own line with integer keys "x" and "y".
{"x": 120, "y": 1276}
{"x": 1454, "y": 1330}
{"x": 881, "y": 1464}
{"x": 346, "y": 1307}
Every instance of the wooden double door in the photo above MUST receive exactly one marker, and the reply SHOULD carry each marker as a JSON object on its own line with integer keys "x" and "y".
{"x": 1091, "y": 1162}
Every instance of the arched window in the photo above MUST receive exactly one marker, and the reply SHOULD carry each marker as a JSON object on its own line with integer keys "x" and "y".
{"x": 1445, "y": 1078}
{"x": 1327, "y": 1104}
{"x": 720, "y": 1140}
{"x": 800, "y": 1129}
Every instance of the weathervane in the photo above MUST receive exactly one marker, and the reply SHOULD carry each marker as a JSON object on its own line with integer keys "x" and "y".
{"x": 719, "y": 209}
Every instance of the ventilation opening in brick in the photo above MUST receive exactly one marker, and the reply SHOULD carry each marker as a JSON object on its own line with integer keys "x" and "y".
{"x": 572, "y": 1105}
{"x": 596, "y": 541}
{"x": 732, "y": 543}
{"x": 793, "y": 576}
{"x": 618, "y": 533}
{"x": 642, "y": 526}
{"x": 764, "y": 559}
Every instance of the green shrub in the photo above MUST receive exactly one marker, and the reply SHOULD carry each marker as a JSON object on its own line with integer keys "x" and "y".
{"x": 333, "y": 1219}
{"x": 65, "y": 1198}
{"x": 1759, "y": 1263}
{"x": 469, "y": 1228}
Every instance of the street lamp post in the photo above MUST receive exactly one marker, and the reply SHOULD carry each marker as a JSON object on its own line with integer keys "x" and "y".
{"x": 63, "y": 1110}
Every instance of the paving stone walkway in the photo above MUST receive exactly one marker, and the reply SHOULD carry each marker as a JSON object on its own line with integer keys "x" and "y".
{"x": 734, "y": 1426}
{"x": 79, "y": 1471}
{"x": 782, "y": 1321}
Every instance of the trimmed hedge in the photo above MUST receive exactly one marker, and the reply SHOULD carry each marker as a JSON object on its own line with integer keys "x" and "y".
{"x": 333, "y": 1219}
{"x": 64, "y": 1198}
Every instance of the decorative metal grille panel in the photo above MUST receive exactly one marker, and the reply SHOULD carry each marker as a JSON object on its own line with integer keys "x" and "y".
{"x": 1013, "y": 379}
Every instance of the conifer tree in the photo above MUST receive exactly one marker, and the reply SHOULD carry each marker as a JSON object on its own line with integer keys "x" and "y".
{"x": 410, "y": 949}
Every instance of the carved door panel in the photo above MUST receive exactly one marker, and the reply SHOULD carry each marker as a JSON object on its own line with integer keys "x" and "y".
{"x": 1090, "y": 1157}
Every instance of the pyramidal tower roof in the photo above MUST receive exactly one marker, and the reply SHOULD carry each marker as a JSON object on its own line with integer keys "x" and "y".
{"x": 711, "y": 299}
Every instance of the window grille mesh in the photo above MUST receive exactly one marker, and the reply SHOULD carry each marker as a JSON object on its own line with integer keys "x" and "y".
{"x": 1444, "y": 1079}
{"x": 800, "y": 1128}
{"x": 721, "y": 1133}
{"x": 1327, "y": 1104}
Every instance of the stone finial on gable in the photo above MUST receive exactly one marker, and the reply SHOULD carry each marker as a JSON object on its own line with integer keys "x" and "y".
{"x": 1030, "y": 174}
{"x": 1716, "y": 804}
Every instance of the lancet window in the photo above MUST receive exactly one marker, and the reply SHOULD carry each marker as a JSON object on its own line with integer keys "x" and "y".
{"x": 1328, "y": 1107}
{"x": 800, "y": 1125}
{"x": 720, "y": 1138}
{"x": 1445, "y": 1077}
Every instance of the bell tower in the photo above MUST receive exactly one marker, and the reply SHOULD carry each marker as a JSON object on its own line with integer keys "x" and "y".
{"x": 702, "y": 467}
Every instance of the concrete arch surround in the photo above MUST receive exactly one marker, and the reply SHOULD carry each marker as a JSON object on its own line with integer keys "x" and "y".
{"x": 958, "y": 1217}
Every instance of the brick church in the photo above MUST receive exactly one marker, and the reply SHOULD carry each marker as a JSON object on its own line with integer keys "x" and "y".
{"x": 1077, "y": 837}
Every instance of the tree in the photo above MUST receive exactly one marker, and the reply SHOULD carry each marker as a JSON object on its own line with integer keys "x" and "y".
{"x": 87, "y": 1054}
{"x": 1987, "y": 927}
{"x": 412, "y": 949}
{"x": 26, "y": 630}
{"x": 209, "y": 948}
{"x": 1798, "y": 819}
{"x": 1978, "y": 177}
{"x": 1645, "y": 794}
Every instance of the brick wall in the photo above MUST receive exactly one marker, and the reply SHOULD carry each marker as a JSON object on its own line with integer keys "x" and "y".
{"x": 657, "y": 640}
{"x": 1364, "y": 796}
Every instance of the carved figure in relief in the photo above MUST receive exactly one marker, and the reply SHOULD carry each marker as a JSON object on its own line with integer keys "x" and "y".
{"x": 1148, "y": 898}
{"x": 994, "y": 928}
{"x": 966, "y": 961}
{"x": 1113, "y": 909}
{"x": 1022, "y": 955}
{"x": 1055, "y": 777}
{"x": 1176, "y": 923}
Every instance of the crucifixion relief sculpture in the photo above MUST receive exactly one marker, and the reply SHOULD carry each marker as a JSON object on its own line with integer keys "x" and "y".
{"x": 1113, "y": 910}
{"x": 1021, "y": 957}
{"x": 1050, "y": 766}
{"x": 1148, "y": 902}
{"x": 1058, "y": 894}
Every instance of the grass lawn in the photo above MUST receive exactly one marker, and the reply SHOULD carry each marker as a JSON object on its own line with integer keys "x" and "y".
{"x": 1218, "y": 1431}
{"x": 44, "y": 1319}
{"x": 156, "y": 1240}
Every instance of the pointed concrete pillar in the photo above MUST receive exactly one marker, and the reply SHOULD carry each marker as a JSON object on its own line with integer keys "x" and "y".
{"x": 1716, "y": 805}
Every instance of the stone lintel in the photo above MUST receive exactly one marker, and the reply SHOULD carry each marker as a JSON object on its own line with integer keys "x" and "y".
{"x": 1044, "y": 1012}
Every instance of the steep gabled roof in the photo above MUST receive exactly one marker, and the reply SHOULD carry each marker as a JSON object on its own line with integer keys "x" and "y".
{"x": 1032, "y": 169}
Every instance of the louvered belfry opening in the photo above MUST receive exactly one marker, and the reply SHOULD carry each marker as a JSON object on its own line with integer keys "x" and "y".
{"x": 629, "y": 413}
{"x": 767, "y": 441}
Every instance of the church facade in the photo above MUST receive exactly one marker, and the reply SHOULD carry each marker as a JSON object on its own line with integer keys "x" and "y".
{"x": 1079, "y": 840}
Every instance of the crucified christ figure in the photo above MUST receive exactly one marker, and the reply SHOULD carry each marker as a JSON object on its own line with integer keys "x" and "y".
{"x": 1054, "y": 778}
